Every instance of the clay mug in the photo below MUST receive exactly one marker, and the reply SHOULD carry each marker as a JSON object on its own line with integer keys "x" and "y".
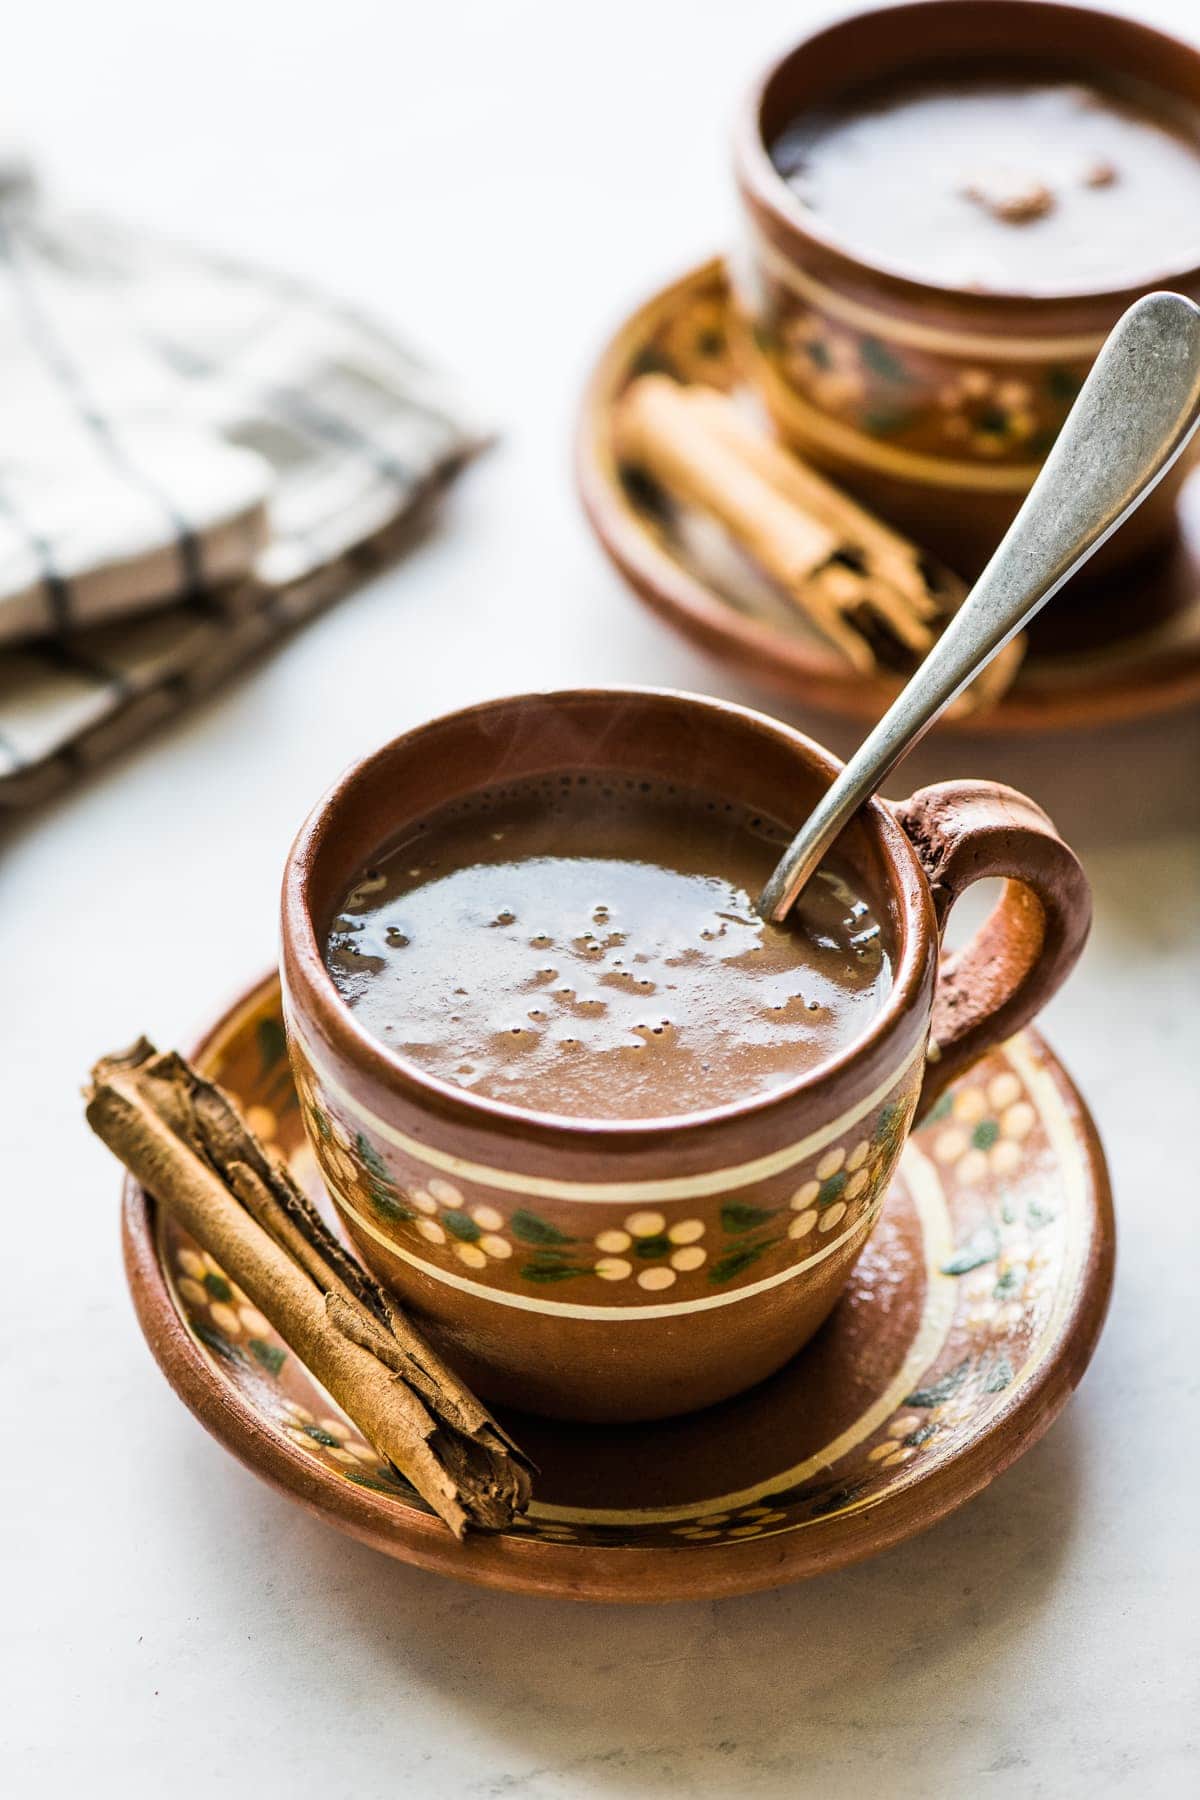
{"x": 631, "y": 1269}
{"x": 934, "y": 405}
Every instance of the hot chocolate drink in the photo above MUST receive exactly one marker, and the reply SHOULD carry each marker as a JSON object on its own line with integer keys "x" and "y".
{"x": 1029, "y": 179}
{"x": 589, "y": 946}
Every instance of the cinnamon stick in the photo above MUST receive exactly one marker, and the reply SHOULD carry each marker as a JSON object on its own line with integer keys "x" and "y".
{"x": 183, "y": 1138}
{"x": 859, "y": 582}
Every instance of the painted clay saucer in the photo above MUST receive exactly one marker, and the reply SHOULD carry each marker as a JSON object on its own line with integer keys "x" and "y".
{"x": 970, "y": 1318}
{"x": 1142, "y": 625}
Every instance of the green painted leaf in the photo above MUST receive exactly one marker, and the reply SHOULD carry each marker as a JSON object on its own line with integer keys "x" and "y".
{"x": 1039, "y": 1215}
{"x": 399, "y": 1488}
{"x": 648, "y": 1248}
{"x": 921, "y": 1435}
{"x": 372, "y": 1161}
{"x": 553, "y": 1271}
{"x": 940, "y": 1111}
{"x": 388, "y": 1207}
{"x": 218, "y": 1287}
{"x": 840, "y": 1496}
{"x": 888, "y": 424}
{"x": 651, "y": 361}
{"x": 998, "y": 1376}
{"x": 271, "y": 1356}
{"x": 734, "y": 1261}
{"x": 985, "y": 1134}
{"x": 819, "y": 353}
{"x": 319, "y": 1435}
{"x": 1008, "y": 1211}
{"x": 982, "y": 1247}
{"x": 830, "y": 1190}
{"x": 882, "y": 361}
{"x": 272, "y": 1043}
{"x": 1063, "y": 384}
{"x": 219, "y": 1344}
{"x": 527, "y": 1228}
{"x": 940, "y": 1390}
{"x": 462, "y": 1226}
{"x": 737, "y": 1217}
{"x": 321, "y": 1121}
{"x": 1009, "y": 1282}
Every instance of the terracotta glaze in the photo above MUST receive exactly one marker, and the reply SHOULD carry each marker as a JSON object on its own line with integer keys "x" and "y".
{"x": 933, "y": 404}
{"x": 1132, "y": 651}
{"x": 963, "y": 1329}
{"x": 637, "y": 1268}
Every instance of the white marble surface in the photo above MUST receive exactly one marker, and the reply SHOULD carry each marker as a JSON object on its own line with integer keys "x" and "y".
{"x": 505, "y": 179}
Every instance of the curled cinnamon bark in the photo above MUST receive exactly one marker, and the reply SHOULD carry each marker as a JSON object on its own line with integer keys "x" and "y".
{"x": 183, "y": 1138}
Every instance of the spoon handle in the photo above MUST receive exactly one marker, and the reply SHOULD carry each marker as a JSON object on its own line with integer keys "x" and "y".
{"x": 1134, "y": 414}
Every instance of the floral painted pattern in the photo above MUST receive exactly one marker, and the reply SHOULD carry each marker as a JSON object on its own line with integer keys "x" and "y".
{"x": 634, "y": 1253}
{"x": 934, "y": 402}
{"x": 1007, "y": 1266}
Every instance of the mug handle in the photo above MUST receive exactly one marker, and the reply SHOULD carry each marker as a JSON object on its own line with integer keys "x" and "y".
{"x": 968, "y": 831}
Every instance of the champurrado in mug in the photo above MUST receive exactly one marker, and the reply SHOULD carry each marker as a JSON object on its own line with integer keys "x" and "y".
{"x": 632, "y": 1263}
{"x": 591, "y": 947}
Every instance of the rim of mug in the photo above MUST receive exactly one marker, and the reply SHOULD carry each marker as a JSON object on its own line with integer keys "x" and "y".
{"x": 303, "y": 965}
{"x": 765, "y": 189}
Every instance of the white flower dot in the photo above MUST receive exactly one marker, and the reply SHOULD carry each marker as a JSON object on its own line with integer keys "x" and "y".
{"x": 830, "y": 1163}
{"x": 193, "y": 1292}
{"x": 804, "y": 1196}
{"x": 431, "y": 1231}
{"x": 613, "y": 1268}
{"x": 192, "y": 1263}
{"x": 803, "y": 1223}
{"x": 1018, "y": 1120}
{"x": 858, "y": 1155}
{"x": 690, "y": 1257}
{"x": 900, "y": 1428}
{"x": 472, "y": 1255}
{"x": 645, "y": 1224}
{"x": 1004, "y": 1157}
{"x": 253, "y": 1320}
{"x": 856, "y": 1184}
{"x": 972, "y": 1167}
{"x": 336, "y": 1428}
{"x": 655, "y": 1279}
{"x": 880, "y": 1451}
{"x": 445, "y": 1192}
{"x": 422, "y": 1201}
{"x": 1003, "y": 1090}
{"x": 686, "y": 1231}
{"x": 833, "y": 1215}
{"x": 226, "y": 1318}
{"x": 950, "y": 1144}
{"x": 970, "y": 1105}
{"x": 487, "y": 1218}
{"x": 498, "y": 1247}
{"x": 613, "y": 1241}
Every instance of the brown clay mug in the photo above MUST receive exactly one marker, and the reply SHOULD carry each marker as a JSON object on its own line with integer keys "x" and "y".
{"x": 631, "y": 1269}
{"x": 934, "y": 405}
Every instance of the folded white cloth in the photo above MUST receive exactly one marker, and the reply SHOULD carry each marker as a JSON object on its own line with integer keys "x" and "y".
{"x": 194, "y": 455}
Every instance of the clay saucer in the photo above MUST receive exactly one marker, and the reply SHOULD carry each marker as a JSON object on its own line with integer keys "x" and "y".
{"x": 1133, "y": 650}
{"x": 971, "y": 1317}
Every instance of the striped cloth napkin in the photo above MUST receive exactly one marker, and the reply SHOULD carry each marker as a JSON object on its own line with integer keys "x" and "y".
{"x": 194, "y": 457}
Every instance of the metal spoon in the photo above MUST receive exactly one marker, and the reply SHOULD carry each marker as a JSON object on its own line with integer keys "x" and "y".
{"x": 1133, "y": 416}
